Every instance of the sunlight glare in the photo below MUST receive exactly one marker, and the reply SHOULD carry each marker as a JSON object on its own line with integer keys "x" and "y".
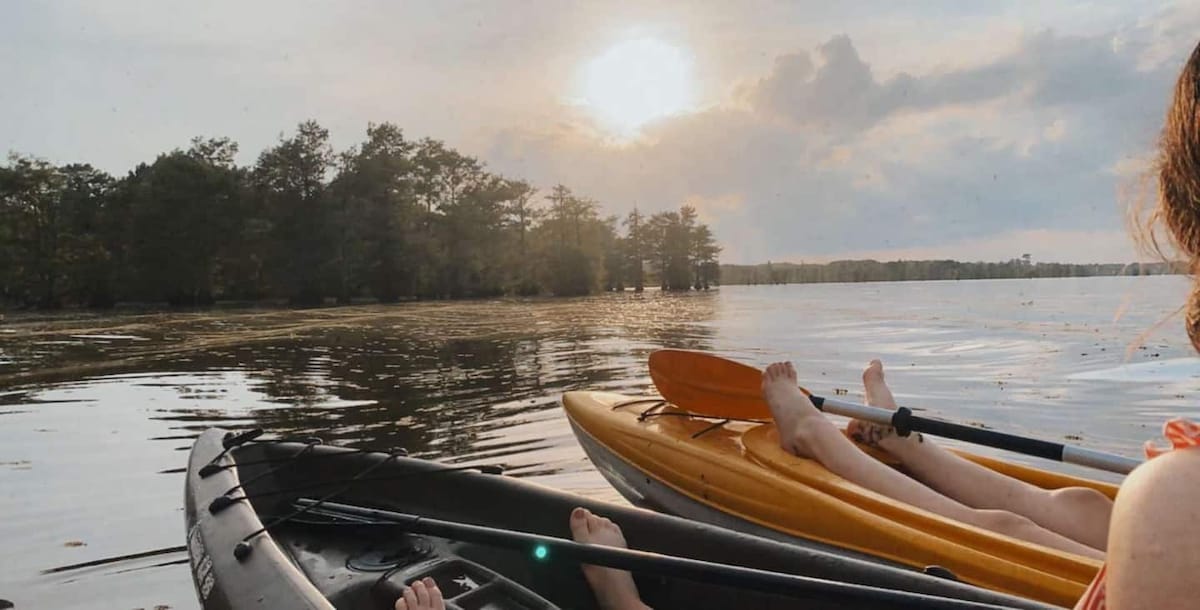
{"x": 635, "y": 82}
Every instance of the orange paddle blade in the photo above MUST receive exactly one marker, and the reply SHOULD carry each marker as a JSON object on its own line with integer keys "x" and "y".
{"x": 708, "y": 385}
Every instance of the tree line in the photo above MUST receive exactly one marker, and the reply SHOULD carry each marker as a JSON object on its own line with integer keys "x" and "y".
{"x": 389, "y": 219}
{"x": 896, "y": 271}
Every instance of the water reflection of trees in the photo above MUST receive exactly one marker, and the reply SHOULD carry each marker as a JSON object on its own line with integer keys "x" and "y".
{"x": 438, "y": 379}
{"x": 439, "y": 388}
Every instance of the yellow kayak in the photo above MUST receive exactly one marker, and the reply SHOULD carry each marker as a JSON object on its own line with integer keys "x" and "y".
{"x": 735, "y": 475}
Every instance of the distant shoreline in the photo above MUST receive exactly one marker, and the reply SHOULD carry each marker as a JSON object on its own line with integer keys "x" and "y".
{"x": 868, "y": 270}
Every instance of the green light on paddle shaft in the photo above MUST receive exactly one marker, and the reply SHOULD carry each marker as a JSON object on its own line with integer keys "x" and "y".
{"x": 541, "y": 552}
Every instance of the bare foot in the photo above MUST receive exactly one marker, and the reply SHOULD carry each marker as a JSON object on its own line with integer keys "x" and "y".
{"x": 878, "y": 435}
{"x": 423, "y": 594}
{"x": 789, "y": 406}
{"x": 614, "y": 589}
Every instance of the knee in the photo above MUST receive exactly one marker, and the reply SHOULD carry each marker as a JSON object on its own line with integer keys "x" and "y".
{"x": 1082, "y": 499}
{"x": 1088, "y": 507}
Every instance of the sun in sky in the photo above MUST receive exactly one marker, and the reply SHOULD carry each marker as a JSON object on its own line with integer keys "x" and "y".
{"x": 635, "y": 82}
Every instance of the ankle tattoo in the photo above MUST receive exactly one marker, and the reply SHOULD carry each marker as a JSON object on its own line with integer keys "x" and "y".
{"x": 871, "y": 434}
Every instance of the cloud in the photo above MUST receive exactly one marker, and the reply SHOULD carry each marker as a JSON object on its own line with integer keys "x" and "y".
{"x": 826, "y": 158}
{"x": 1055, "y": 131}
{"x": 924, "y": 124}
{"x": 839, "y": 87}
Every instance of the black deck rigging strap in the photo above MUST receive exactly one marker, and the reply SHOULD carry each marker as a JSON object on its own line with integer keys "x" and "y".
{"x": 691, "y": 415}
{"x": 220, "y": 503}
{"x": 233, "y": 441}
{"x": 224, "y": 500}
{"x": 637, "y": 401}
{"x": 656, "y": 411}
{"x": 291, "y": 459}
{"x": 710, "y": 428}
{"x": 243, "y": 548}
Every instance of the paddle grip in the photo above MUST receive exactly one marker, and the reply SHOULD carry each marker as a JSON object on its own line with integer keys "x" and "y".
{"x": 905, "y": 423}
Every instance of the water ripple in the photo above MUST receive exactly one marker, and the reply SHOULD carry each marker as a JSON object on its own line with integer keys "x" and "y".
{"x": 96, "y": 408}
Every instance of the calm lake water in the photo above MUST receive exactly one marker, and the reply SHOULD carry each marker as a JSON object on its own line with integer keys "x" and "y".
{"x": 97, "y": 411}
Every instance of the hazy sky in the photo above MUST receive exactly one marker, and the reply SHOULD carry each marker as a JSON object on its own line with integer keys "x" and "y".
{"x": 801, "y": 131}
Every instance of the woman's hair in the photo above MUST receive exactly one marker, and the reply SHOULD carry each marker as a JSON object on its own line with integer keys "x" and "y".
{"x": 1178, "y": 173}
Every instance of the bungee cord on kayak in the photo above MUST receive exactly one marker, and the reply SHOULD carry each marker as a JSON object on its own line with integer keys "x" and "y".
{"x": 718, "y": 422}
{"x": 214, "y": 466}
{"x": 223, "y": 501}
{"x": 638, "y": 401}
{"x": 659, "y": 404}
{"x": 242, "y": 549}
{"x": 308, "y": 446}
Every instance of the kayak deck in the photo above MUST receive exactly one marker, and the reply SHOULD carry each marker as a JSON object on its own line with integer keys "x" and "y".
{"x": 738, "y": 470}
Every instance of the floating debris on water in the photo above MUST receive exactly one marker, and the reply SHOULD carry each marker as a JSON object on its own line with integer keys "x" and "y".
{"x": 104, "y": 337}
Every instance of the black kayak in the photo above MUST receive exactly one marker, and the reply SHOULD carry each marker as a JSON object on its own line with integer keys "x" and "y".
{"x": 298, "y": 524}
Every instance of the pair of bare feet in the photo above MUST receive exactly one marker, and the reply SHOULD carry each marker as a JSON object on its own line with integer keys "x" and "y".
{"x": 1072, "y": 519}
{"x": 614, "y": 589}
{"x": 789, "y": 407}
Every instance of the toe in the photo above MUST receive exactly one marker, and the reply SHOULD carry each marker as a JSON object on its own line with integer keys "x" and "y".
{"x": 595, "y": 523}
{"x": 877, "y": 392}
{"x": 435, "y": 595}
{"x": 776, "y": 370}
{"x": 579, "y": 523}
{"x": 874, "y": 371}
{"x": 401, "y": 605}
{"x": 611, "y": 527}
{"x": 422, "y": 593}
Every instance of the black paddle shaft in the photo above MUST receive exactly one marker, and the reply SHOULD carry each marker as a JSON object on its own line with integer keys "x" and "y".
{"x": 906, "y": 423}
{"x": 641, "y": 561}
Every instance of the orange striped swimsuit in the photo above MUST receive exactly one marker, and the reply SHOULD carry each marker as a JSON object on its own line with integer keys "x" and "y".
{"x": 1181, "y": 434}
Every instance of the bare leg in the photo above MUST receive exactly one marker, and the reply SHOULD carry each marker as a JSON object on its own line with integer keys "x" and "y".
{"x": 614, "y": 589}
{"x": 804, "y": 431}
{"x": 1078, "y": 513}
